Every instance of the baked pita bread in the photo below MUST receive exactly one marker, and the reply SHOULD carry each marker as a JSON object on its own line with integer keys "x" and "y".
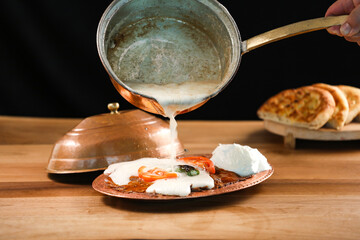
{"x": 341, "y": 112}
{"x": 308, "y": 107}
{"x": 353, "y": 97}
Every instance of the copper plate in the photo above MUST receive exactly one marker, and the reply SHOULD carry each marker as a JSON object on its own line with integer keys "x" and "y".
{"x": 100, "y": 185}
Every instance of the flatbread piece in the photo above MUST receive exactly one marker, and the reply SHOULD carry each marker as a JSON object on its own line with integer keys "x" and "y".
{"x": 353, "y": 97}
{"x": 341, "y": 112}
{"x": 308, "y": 107}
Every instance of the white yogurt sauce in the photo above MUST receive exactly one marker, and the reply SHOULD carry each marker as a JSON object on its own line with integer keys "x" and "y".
{"x": 120, "y": 174}
{"x": 182, "y": 185}
{"x": 243, "y": 160}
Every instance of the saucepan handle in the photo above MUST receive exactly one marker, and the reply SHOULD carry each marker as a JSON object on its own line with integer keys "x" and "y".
{"x": 291, "y": 30}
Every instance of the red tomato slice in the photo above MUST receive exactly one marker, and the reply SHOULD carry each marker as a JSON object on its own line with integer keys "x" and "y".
{"x": 154, "y": 174}
{"x": 202, "y": 162}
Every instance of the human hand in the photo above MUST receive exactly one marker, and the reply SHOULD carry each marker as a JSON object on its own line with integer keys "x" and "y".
{"x": 350, "y": 30}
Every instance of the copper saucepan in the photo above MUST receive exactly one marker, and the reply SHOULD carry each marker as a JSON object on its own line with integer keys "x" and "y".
{"x": 166, "y": 39}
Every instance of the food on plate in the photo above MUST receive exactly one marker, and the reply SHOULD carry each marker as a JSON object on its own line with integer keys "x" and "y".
{"x": 201, "y": 162}
{"x": 338, "y": 119}
{"x": 308, "y": 107}
{"x": 183, "y": 175}
{"x": 243, "y": 160}
{"x": 353, "y": 97}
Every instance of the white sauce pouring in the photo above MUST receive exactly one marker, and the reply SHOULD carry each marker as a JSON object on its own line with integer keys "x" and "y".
{"x": 175, "y": 97}
{"x": 176, "y": 63}
{"x": 179, "y": 72}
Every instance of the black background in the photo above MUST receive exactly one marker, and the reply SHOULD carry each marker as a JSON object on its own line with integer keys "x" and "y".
{"x": 50, "y": 66}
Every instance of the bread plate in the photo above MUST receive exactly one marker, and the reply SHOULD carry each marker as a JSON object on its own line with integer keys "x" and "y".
{"x": 349, "y": 132}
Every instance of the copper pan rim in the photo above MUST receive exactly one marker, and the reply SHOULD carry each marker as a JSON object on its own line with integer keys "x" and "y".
{"x": 219, "y": 14}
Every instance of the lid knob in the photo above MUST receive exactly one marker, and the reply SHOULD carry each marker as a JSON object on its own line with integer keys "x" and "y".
{"x": 113, "y": 107}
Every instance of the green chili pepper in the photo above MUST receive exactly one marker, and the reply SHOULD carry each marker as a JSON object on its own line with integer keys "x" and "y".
{"x": 189, "y": 170}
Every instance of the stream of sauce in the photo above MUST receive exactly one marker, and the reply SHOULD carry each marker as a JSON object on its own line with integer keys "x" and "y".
{"x": 167, "y": 59}
{"x": 173, "y": 62}
{"x": 176, "y": 97}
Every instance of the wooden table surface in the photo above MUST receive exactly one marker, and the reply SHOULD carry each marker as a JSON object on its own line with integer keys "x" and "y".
{"x": 313, "y": 194}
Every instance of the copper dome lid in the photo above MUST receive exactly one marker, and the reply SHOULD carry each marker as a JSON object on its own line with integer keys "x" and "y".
{"x": 118, "y": 136}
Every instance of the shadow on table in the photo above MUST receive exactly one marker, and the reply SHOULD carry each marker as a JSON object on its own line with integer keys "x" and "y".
{"x": 75, "y": 178}
{"x": 182, "y": 205}
{"x": 331, "y": 145}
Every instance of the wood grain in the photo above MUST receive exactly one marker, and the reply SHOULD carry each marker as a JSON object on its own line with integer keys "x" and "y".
{"x": 31, "y": 130}
{"x": 313, "y": 194}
